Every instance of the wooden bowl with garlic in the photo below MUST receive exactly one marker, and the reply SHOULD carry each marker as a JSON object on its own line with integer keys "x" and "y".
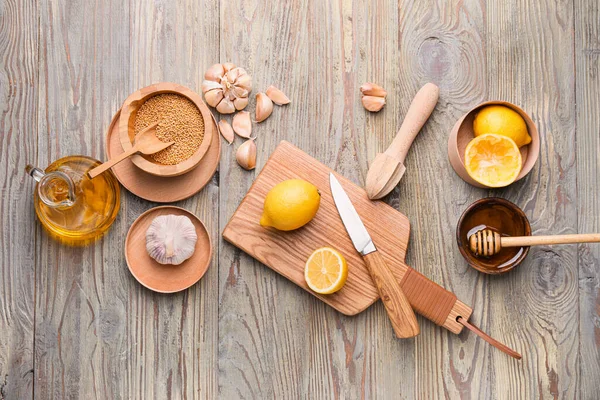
{"x": 182, "y": 117}
{"x": 168, "y": 249}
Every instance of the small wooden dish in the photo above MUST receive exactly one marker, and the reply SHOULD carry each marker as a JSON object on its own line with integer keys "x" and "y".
{"x": 462, "y": 134}
{"x": 166, "y": 278}
{"x": 127, "y": 133}
{"x": 156, "y": 188}
{"x": 499, "y": 214}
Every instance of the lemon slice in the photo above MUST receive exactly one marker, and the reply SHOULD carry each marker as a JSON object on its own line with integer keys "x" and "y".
{"x": 326, "y": 271}
{"x": 493, "y": 160}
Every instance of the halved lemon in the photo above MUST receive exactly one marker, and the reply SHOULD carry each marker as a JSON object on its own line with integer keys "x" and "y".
{"x": 326, "y": 270}
{"x": 493, "y": 160}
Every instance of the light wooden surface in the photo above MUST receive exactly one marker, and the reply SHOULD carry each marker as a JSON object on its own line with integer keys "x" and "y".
{"x": 74, "y": 323}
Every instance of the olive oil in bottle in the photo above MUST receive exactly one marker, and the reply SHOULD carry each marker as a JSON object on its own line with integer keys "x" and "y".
{"x": 71, "y": 207}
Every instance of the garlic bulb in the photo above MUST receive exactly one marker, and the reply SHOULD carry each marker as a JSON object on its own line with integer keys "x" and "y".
{"x": 226, "y": 87}
{"x": 171, "y": 239}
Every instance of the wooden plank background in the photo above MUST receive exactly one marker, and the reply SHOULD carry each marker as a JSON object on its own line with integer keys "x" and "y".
{"x": 75, "y": 324}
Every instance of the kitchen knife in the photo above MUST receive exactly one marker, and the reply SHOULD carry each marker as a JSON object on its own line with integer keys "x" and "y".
{"x": 388, "y": 167}
{"x": 396, "y": 304}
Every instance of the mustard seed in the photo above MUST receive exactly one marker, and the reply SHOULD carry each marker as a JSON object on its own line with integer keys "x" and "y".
{"x": 180, "y": 121}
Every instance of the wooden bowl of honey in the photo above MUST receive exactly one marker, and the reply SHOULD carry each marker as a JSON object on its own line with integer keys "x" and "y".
{"x": 182, "y": 117}
{"x": 462, "y": 134}
{"x": 499, "y": 215}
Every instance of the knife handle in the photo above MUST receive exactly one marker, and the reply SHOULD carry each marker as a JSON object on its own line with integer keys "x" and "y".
{"x": 396, "y": 304}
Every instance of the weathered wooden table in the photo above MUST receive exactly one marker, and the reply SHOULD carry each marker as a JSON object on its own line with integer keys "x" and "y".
{"x": 75, "y": 324}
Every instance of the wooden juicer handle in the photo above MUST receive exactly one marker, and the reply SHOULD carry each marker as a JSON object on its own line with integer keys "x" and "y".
{"x": 419, "y": 111}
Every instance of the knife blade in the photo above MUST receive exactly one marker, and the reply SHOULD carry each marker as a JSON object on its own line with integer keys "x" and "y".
{"x": 356, "y": 229}
{"x": 396, "y": 304}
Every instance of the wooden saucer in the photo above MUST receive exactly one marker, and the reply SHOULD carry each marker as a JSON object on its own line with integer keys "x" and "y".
{"x": 156, "y": 188}
{"x": 166, "y": 278}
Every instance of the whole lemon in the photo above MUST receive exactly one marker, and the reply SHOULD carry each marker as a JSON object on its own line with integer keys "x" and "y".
{"x": 290, "y": 205}
{"x": 503, "y": 121}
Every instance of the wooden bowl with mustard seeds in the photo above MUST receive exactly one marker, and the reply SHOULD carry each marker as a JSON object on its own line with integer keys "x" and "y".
{"x": 183, "y": 118}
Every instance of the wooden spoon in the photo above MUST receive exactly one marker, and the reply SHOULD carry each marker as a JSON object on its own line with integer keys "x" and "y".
{"x": 488, "y": 242}
{"x": 145, "y": 142}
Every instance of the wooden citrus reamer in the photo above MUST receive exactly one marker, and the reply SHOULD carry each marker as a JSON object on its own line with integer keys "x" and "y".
{"x": 488, "y": 242}
{"x": 387, "y": 168}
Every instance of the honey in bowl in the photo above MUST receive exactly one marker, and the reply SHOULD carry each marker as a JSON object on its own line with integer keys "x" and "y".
{"x": 71, "y": 207}
{"x": 499, "y": 215}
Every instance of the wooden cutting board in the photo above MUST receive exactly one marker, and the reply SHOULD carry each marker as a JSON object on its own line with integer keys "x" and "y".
{"x": 286, "y": 252}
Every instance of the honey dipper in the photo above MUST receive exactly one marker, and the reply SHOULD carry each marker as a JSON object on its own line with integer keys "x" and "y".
{"x": 487, "y": 242}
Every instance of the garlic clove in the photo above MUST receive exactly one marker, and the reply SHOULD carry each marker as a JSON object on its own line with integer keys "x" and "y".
{"x": 372, "y": 89}
{"x": 242, "y": 125}
{"x": 277, "y": 96}
{"x": 240, "y": 92}
{"x": 244, "y": 81}
{"x": 210, "y": 85}
{"x": 240, "y": 103}
{"x": 246, "y": 155}
{"x": 228, "y": 66}
{"x": 241, "y": 72}
{"x": 214, "y": 73}
{"x": 213, "y": 97}
{"x": 171, "y": 239}
{"x": 232, "y": 75}
{"x": 226, "y": 131}
{"x": 226, "y": 106}
{"x": 264, "y": 107}
{"x": 373, "y": 103}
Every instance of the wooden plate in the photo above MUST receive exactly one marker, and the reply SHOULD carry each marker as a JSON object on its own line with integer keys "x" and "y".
{"x": 156, "y": 188}
{"x": 166, "y": 278}
{"x": 126, "y": 129}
